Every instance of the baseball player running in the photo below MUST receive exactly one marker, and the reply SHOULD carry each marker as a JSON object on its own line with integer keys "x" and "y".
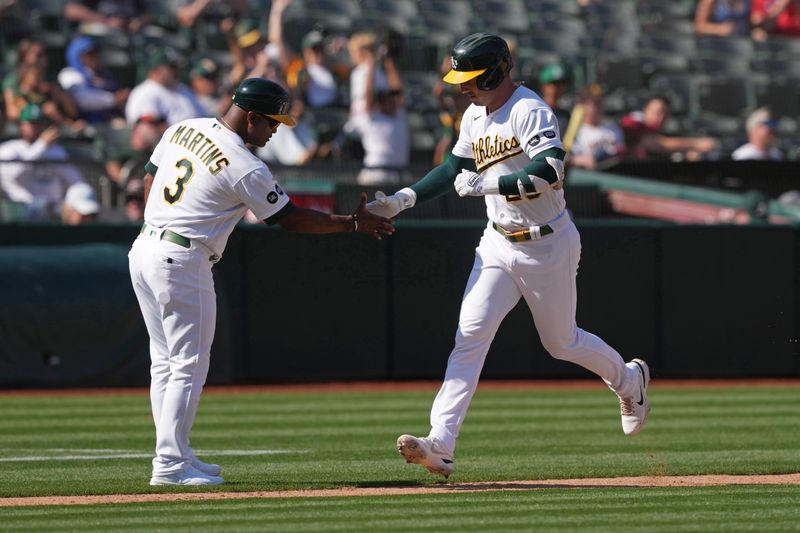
{"x": 201, "y": 180}
{"x": 509, "y": 151}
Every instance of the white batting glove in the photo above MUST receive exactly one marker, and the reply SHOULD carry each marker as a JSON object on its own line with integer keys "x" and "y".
{"x": 390, "y": 206}
{"x": 469, "y": 183}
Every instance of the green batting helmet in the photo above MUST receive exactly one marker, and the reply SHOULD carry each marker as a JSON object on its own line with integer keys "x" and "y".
{"x": 264, "y": 97}
{"x": 482, "y": 56}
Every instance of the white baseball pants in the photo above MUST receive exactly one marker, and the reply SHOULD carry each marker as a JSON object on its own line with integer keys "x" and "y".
{"x": 175, "y": 289}
{"x": 543, "y": 272}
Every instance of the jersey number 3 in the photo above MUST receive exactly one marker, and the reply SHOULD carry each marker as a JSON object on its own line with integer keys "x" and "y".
{"x": 188, "y": 170}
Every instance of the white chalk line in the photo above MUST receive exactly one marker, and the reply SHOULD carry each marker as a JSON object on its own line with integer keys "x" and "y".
{"x": 82, "y": 454}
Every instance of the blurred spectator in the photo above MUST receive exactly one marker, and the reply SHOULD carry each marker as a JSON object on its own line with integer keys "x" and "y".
{"x": 252, "y": 57}
{"x": 292, "y": 146}
{"x": 97, "y": 95}
{"x": 643, "y": 137}
{"x": 15, "y": 21}
{"x": 722, "y": 17}
{"x": 33, "y": 169}
{"x": 33, "y": 88}
{"x": 775, "y": 17}
{"x": 126, "y": 15}
{"x": 364, "y": 55}
{"x": 760, "y": 137}
{"x": 134, "y": 200}
{"x": 122, "y": 160}
{"x": 385, "y": 138}
{"x": 162, "y": 94}
{"x": 452, "y": 104}
{"x": 554, "y": 83}
{"x": 205, "y": 84}
{"x": 190, "y": 12}
{"x": 597, "y": 139}
{"x": 315, "y": 81}
{"x": 80, "y": 205}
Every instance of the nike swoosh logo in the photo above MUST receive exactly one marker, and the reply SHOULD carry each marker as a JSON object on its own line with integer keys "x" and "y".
{"x": 641, "y": 396}
{"x": 447, "y": 461}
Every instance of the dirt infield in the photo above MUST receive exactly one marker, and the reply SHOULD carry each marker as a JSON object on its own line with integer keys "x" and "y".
{"x": 442, "y": 488}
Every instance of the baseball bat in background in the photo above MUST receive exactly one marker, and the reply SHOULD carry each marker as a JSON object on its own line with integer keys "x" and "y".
{"x": 574, "y": 124}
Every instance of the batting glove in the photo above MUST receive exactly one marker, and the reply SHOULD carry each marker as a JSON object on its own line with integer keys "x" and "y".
{"x": 390, "y": 206}
{"x": 470, "y": 183}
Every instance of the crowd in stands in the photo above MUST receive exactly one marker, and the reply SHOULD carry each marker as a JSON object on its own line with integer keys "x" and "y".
{"x": 111, "y": 76}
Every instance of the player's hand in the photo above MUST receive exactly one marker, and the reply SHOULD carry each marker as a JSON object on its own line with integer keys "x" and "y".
{"x": 390, "y": 206}
{"x": 469, "y": 183}
{"x": 366, "y": 222}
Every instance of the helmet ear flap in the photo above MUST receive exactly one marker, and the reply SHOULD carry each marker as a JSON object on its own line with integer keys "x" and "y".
{"x": 492, "y": 78}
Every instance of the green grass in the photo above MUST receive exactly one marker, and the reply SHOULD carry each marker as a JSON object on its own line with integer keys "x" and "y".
{"x": 347, "y": 439}
{"x": 708, "y": 509}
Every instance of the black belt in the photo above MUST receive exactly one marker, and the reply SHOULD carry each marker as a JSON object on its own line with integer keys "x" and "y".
{"x": 522, "y": 235}
{"x": 166, "y": 235}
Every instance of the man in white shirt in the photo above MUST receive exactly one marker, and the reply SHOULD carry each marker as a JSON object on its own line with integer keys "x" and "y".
{"x": 200, "y": 181}
{"x": 760, "y": 137}
{"x": 34, "y": 170}
{"x": 597, "y": 139}
{"x": 509, "y": 151}
{"x": 162, "y": 94}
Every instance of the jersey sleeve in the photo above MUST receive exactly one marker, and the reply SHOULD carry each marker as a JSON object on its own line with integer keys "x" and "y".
{"x": 463, "y": 146}
{"x": 155, "y": 158}
{"x": 259, "y": 191}
{"x": 537, "y": 130}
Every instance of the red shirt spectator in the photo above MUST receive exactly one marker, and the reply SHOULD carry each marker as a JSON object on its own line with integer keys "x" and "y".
{"x": 776, "y": 17}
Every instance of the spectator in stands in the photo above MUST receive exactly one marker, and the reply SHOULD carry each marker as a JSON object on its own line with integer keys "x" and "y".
{"x": 760, "y": 144}
{"x": 367, "y": 66}
{"x": 643, "y": 137}
{"x": 34, "y": 170}
{"x": 34, "y": 88}
{"x": 722, "y": 17}
{"x": 309, "y": 75}
{"x": 452, "y": 104}
{"x": 121, "y": 161}
{"x": 385, "y": 137}
{"x": 80, "y": 205}
{"x": 126, "y": 15}
{"x": 292, "y": 146}
{"x": 252, "y": 57}
{"x": 205, "y": 84}
{"x": 96, "y": 93}
{"x": 775, "y": 18}
{"x": 598, "y": 139}
{"x": 554, "y": 83}
{"x": 134, "y": 200}
{"x": 162, "y": 94}
{"x": 189, "y": 12}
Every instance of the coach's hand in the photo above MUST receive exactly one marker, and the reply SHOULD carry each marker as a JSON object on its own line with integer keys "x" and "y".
{"x": 469, "y": 183}
{"x": 390, "y": 206}
{"x": 366, "y": 222}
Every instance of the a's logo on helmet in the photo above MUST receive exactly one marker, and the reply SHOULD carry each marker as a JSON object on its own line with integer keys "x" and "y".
{"x": 454, "y": 63}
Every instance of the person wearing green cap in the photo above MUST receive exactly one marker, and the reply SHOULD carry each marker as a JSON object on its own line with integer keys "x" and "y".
{"x": 34, "y": 169}
{"x": 162, "y": 94}
{"x": 554, "y": 83}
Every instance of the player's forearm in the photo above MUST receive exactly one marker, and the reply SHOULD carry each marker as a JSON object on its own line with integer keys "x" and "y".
{"x": 439, "y": 180}
{"x": 302, "y": 220}
{"x": 539, "y": 167}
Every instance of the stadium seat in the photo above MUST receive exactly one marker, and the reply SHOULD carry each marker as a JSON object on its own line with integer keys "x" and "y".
{"x": 681, "y": 89}
{"x": 729, "y": 96}
{"x": 504, "y": 15}
{"x": 721, "y": 65}
{"x": 728, "y": 47}
{"x": 780, "y": 96}
{"x": 625, "y": 73}
{"x": 552, "y": 8}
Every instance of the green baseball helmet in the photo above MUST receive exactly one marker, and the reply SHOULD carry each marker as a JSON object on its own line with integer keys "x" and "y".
{"x": 483, "y": 56}
{"x": 265, "y": 97}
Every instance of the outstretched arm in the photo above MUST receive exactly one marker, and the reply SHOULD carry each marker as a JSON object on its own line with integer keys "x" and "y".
{"x": 434, "y": 184}
{"x": 361, "y": 221}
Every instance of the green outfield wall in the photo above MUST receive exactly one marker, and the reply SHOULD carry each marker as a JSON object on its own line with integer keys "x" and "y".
{"x": 695, "y": 301}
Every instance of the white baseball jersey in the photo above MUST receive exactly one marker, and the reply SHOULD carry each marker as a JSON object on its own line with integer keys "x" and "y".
{"x": 205, "y": 179}
{"x": 504, "y": 141}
